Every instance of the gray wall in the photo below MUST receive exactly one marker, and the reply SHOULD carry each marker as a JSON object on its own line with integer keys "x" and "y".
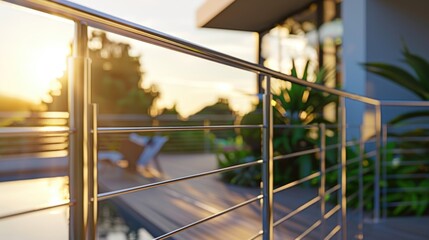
{"x": 354, "y": 45}
{"x": 373, "y": 32}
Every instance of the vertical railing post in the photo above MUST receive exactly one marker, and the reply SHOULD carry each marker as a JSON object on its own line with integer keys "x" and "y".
{"x": 343, "y": 163}
{"x": 78, "y": 123}
{"x": 384, "y": 167}
{"x": 360, "y": 179}
{"x": 376, "y": 215}
{"x": 267, "y": 167}
{"x": 93, "y": 174}
{"x": 322, "y": 190}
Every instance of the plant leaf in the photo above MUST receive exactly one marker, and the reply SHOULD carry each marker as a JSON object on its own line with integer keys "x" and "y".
{"x": 420, "y": 66}
{"x": 399, "y": 76}
{"x": 408, "y": 116}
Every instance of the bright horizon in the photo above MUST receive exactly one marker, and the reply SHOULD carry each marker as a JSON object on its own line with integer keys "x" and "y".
{"x": 28, "y": 54}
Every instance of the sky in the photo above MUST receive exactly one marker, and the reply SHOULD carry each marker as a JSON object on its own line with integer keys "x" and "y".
{"x": 34, "y": 51}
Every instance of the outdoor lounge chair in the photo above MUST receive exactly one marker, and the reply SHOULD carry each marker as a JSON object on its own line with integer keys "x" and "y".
{"x": 138, "y": 151}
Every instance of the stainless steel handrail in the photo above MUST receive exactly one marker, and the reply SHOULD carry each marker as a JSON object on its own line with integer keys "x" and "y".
{"x": 88, "y": 17}
{"x": 129, "y": 29}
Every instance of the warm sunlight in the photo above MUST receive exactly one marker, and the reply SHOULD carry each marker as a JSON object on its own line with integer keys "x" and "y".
{"x": 46, "y": 65}
{"x": 34, "y": 52}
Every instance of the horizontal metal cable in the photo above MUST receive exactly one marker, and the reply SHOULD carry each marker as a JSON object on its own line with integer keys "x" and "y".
{"x": 107, "y": 195}
{"x": 404, "y": 176}
{"x": 408, "y": 150}
{"x": 366, "y": 187}
{"x": 36, "y": 210}
{"x": 414, "y": 125}
{"x": 372, "y": 153}
{"x": 164, "y": 236}
{"x": 332, "y": 168}
{"x": 406, "y": 163}
{"x": 287, "y": 126}
{"x": 405, "y": 139}
{"x": 331, "y": 212}
{"x": 297, "y": 154}
{"x": 396, "y": 204}
{"x": 334, "y": 231}
{"x": 290, "y": 215}
{"x": 257, "y": 235}
{"x": 333, "y": 146}
{"x": 122, "y": 27}
{"x": 352, "y": 178}
{"x": 405, "y": 103}
{"x": 296, "y": 182}
{"x": 333, "y": 189}
{"x": 296, "y": 211}
{"x": 408, "y": 189}
{"x": 356, "y": 177}
{"x": 309, "y": 229}
{"x": 105, "y": 130}
{"x": 29, "y": 131}
{"x": 353, "y": 160}
{"x": 352, "y": 196}
{"x": 352, "y": 143}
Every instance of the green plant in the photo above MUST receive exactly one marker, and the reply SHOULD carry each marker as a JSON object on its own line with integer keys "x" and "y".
{"x": 295, "y": 108}
{"x": 298, "y": 106}
{"x": 411, "y": 195}
{"x": 233, "y": 151}
{"x": 417, "y": 82}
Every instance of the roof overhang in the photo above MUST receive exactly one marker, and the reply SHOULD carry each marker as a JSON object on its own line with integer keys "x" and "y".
{"x": 247, "y": 15}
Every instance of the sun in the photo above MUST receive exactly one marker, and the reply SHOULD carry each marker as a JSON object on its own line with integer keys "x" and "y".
{"x": 48, "y": 64}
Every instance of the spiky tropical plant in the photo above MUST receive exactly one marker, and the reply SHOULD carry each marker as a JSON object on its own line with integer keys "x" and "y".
{"x": 299, "y": 106}
{"x": 416, "y": 82}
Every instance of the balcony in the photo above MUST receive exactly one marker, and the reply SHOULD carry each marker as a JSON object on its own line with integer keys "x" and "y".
{"x": 349, "y": 195}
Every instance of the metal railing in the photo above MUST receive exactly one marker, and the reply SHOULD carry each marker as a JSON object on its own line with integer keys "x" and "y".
{"x": 83, "y": 134}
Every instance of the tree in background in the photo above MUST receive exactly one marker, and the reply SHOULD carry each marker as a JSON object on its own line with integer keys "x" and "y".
{"x": 116, "y": 80}
{"x": 221, "y": 107}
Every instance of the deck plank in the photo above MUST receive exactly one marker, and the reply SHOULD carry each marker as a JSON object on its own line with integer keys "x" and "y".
{"x": 175, "y": 205}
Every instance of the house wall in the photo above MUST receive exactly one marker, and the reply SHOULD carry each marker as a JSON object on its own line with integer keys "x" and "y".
{"x": 389, "y": 24}
{"x": 354, "y": 45}
{"x": 373, "y": 32}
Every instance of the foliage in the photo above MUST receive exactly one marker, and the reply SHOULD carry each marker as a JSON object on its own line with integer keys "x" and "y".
{"x": 116, "y": 80}
{"x": 413, "y": 193}
{"x": 299, "y": 106}
{"x": 221, "y": 109}
{"x": 295, "y": 108}
{"x": 233, "y": 151}
{"x": 417, "y": 82}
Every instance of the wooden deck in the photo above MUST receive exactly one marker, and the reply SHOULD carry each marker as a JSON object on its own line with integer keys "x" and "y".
{"x": 172, "y": 206}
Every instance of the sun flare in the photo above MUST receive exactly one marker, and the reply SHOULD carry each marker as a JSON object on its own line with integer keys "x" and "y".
{"x": 46, "y": 65}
